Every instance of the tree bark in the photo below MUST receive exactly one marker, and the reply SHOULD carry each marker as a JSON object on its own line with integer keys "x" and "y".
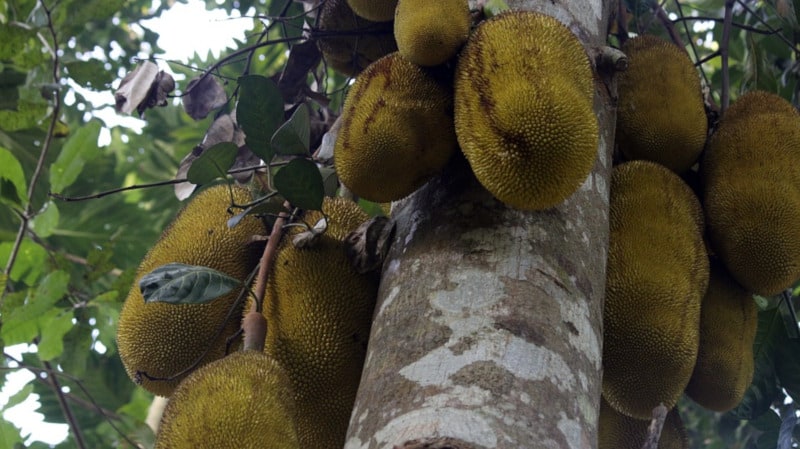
{"x": 488, "y": 326}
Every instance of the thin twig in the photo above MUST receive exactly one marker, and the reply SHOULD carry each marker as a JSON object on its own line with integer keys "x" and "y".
{"x": 48, "y": 141}
{"x": 73, "y": 423}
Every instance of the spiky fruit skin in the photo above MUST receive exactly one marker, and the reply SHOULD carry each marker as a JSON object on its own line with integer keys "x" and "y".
{"x": 728, "y": 322}
{"x": 160, "y": 340}
{"x": 430, "y": 33}
{"x": 375, "y": 10}
{"x": 523, "y": 109}
{"x": 660, "y": 112}
{"x": 241, "y": 401}
{"x": 351, "y": 42}
{"x": 397, "y": 130}
{"x": 617, "y": 431}
{"x": 657, "y": 274}
{"x": 752, "y": 192}
{"x": 319, "y": 312}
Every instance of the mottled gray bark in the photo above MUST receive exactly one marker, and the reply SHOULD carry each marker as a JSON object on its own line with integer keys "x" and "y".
{"x": 488, "y": 327}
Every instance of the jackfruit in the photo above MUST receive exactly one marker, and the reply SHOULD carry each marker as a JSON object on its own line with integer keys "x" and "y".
{"x": 375, "y": 10}
{"x": 319, "y": 311}
{"x": 523, "y": 109}
{"x": 159, "y": 340}
{"x": 617, "y": 431}
{"x": 752, "y": 192}
{"x": 660, "y": 112}
{"x": 350, "y": 43}
{"x": 397, "y": 130}
{"x": 243, "y": 400}
{"x": 430, "y": 33}
{"x": 657, "y": 274}
{"x": 728, "y": 322}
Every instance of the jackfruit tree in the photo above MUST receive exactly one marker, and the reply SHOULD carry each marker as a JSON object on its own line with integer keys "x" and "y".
{"x": 470, "y": 311}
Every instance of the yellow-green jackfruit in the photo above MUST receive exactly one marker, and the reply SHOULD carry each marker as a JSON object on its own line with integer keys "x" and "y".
{"x": 350, "y": 43}
{"x": 158, "y": 340}
{"x": 523, "y": 109}
{"x": 397, "y": 130}
{"x": 617, "y": 431}
{"x": 241, "y": 401}
{"x": 657, "y": 274}
{"x": 430, "y": 33}
{"x": 319, "y": 312}
{"x": 660, "y": 112}
{"x": 375, "y": 10}
{"x": 728, "y": 322}
{"x": 752, "y": 192}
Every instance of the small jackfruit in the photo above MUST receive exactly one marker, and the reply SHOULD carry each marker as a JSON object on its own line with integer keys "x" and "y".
{"x": 350, "y": 43}
{"x": 728, "y": 322}
{"x": 752, "y": 192}
{"x": 158, "y": 340}
{"x": 523, "y": 109}
{"x": 375, "y": 10}
{"x": 430, "y": 33}
{"x": 397, "y": 130}
{"x": 319, "y": 312}
{"x": 243, "y": 400}
{"x": 617, "y": 431}
{"x": 660, "y": 112}
{"x": 657, "y": 274}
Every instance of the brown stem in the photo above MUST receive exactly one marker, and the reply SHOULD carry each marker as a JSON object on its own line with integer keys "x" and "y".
{"x": 723, "y": 50}
{"x": 656, "y": 425}
{"x": 74, "y": 426}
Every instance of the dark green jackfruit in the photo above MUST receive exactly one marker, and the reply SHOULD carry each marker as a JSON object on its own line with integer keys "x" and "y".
{"x": 656, "y": 276}
{"x": 660, "y": 112}
{"x": 752, "y": 192}
{"x": 159, "y": 340}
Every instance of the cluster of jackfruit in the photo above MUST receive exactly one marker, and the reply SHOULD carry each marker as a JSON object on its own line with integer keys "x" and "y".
{"x": 299, "y": 390}
{"x": 678, "y": 320}
{"x": 525, "y": 124}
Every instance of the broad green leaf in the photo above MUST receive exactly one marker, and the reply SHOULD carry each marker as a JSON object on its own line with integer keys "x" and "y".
{"x": 91, "y": 73}
{"x": 29, "y": 263}
{"x": 213, "y": 163}
{"x": 52, "y": 327}
{"x": 300, "y": 182}
{"x": 177, "y": 283}
{"x": 292, "y": 138}
{"x": 19, "y": 396}
{"x": 21, "y": 324}
{"x": 13, "y": 186}
{"x": 9, "y": 435}
{"x": 259, "y": 113}
{"x": 494, "y": 7}
{"x": 46, "y": 221}
{"x": 77, "y": 151}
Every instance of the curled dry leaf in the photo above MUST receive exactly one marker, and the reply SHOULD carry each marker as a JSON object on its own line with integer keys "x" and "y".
{"x": 203, "y": 94}
{"x": 145, "y": 87}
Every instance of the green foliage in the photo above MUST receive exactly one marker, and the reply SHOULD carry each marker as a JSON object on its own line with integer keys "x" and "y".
{"x": 177, "y": 283}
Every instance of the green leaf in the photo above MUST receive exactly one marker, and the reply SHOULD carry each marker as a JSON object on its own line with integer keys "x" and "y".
{"x": 21, "y": 325}
{"x": 77, "y": 151}
{"x": 300, "y": 182}
{"x": 52, "y": 328}
{"x": 764, "y": 389}
{"x": 259, "y": 113}
{"x": 9, "y": 435}
{"x": 292, "y": 138}
{"x": 19, "y": 396}
{"x": 13, "y": 186}
{"x": 46, "y": 221}
{"x": 494, "y": 7}
{"x": 29, "y": 264}
{"x": 213, "y": 163}
{"x": 177, "y": 283}
{"x": 90, "y": 74}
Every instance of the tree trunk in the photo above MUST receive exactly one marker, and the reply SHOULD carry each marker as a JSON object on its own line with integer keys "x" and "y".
{"x": 488, "y": 326}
